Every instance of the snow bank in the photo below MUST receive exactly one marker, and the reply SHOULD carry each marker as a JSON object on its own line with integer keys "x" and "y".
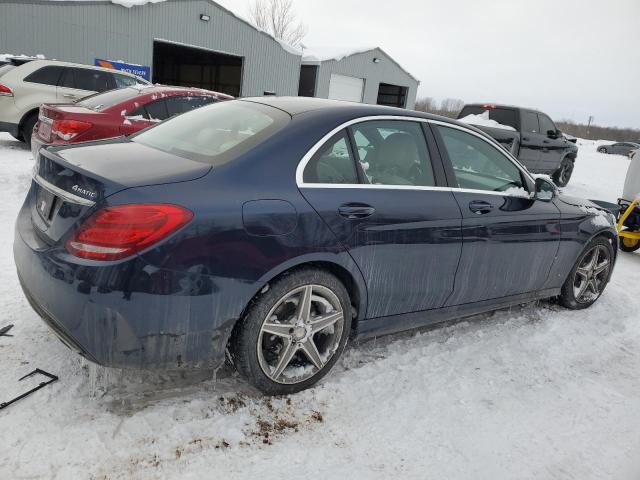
{"x": 484, "y": 120}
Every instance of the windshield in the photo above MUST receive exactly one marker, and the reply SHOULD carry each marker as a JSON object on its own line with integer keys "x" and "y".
{"x": 100, "y": 101}
{"x": 216, "y": 133}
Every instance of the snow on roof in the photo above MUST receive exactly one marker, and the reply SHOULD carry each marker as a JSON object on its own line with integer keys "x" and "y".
{"x": 322, "y": 54}
{"x": 314, "y": 55}
{"x": 484, "y": 120}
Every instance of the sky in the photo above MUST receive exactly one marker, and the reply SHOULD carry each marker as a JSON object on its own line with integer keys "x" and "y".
{"x": 568, "y": 58}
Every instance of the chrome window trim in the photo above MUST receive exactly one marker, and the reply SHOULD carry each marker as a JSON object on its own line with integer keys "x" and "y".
{"x": 312, "y": 151}
{"x": 69, "y": 197}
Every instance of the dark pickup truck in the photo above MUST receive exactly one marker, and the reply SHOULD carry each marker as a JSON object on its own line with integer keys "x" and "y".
{"x": 535, "y": 140}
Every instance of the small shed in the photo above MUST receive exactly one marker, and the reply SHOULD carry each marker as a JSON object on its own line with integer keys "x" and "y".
{"x": 367, "y": 75}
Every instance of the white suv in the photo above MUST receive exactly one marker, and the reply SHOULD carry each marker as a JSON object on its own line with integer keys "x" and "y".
{"x": 25, "y": 87}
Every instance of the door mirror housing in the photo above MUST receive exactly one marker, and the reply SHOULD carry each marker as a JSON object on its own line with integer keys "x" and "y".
{"x": 552, "y": 133}
{"x": 546, "y": 190}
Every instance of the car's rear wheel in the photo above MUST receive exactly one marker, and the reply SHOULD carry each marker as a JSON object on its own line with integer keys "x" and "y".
{"x": 293, "y": 333}
{"x": 589, "y": 276}
{"x": 562, "y": 176}
{"x": 27, "y": 128}
{"x": 629, "y": 244}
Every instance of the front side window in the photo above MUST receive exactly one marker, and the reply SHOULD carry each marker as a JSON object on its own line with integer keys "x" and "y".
{"x": 478, "y": 165}
{"x": 333, "y": 163}
{"x": 546, "y": 124}
{"x": 123, "y": 81}
{"x": 393, "y": 152}
{"x": 217, "y": 133}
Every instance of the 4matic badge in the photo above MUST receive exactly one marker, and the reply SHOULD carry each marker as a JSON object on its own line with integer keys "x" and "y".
{"x": 84, "y": 191}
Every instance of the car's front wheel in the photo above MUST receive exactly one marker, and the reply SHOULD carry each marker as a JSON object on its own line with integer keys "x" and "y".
{"x": 589, "y": 276}
{"x": 602, "y": 150}
{"x": 562, "y": 176}
{"x": 293, "y": 333}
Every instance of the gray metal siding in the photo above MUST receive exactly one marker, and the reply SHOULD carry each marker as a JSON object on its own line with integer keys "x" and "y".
{"x": 361, "y": 65}
{"x": 81, "y": 32}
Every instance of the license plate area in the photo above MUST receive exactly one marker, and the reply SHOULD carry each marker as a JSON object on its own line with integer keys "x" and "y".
{"x": 45, "y": 201}
{"x": 44, "y": 130}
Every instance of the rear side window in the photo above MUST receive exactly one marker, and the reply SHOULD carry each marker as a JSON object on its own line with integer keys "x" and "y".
{"x": 530, "y": 122}
{"x": 478, "y": 165}
{"x": 504, "y": 116}
{"x": 86, "y": 79}
{"x": 217, "y": 133}
{"x": 333, "y": 163}
{"x": 156, "y": 111}
{"x": 393, "y": 153}
{"x": 45, "y": 75}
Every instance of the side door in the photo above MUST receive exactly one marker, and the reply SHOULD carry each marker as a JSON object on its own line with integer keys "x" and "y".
{"x": 76, "y": 83}
{"x": 381, "y": 190}
{"x": 530, "y": 140}
{"x": 554, "y": 144}
{"x": 510, "y": 239}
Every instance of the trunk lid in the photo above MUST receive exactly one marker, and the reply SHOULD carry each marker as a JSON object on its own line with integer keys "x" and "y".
{"x": 70, "y": 181}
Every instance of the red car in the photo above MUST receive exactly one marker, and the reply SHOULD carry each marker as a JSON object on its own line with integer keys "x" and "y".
{"x": 114, "y": 113}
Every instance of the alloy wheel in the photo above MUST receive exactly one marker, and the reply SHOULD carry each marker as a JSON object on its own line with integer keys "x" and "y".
{"x": 300, "y": 334}
{"x": 592, "y": 274}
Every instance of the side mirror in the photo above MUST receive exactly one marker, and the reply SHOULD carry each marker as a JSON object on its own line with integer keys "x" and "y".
{"x": 552, "y": 133}
{"x": 545, "y": 189}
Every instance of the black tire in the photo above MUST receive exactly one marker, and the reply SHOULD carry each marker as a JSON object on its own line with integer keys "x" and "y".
{"x": 602, "y": 150}
{"x": 27, "y": 128}
{"x": 562, "y": 176}
{"x": 568, "y": 295}
{"x": 245, "y": 340}
{"x": 626, "y": 245}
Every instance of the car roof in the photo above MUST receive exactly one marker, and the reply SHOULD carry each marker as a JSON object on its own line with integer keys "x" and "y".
{"x": 502, "y": 105}
{"x": 154, "y": 88}
{"x": 35, "y": 64}
{"x": 298, "y": 105}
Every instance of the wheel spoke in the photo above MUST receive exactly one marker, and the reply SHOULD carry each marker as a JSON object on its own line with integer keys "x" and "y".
{"x": 320, "y": 323}
{"x": 279, "y": 329}
{"x": 604, "y": 266}
{"x": 582, "y": 289}
{"x": 287, "y": 353}
{"x": 303, "y": 312}
{"x": 311, "y": 351}
{"x": 583, "y": 272}
{"x": 594, "y": 286}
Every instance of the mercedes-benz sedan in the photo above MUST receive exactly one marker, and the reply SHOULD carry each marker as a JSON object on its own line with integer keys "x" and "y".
{"x": 278, "y": 228}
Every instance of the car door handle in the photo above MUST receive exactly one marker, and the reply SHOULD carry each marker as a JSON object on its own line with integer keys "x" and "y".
{"x": 480, "y": 207}
{"x": 353, "y": 211}
{"x": 545, "y": 141}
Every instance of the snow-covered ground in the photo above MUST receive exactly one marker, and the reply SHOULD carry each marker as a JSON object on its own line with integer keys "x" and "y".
{"x": 535, "y": 392}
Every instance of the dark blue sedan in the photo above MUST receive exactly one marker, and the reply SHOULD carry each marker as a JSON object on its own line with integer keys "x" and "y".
{"x": 277, "y": 228}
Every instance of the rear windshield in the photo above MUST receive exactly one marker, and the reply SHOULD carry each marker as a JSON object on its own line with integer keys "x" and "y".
{"x": 504, "y": 116}
{"x": 100, "y": 101}
{"x": 215, "y": 133}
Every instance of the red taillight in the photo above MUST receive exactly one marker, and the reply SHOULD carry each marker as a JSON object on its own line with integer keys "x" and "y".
{"x": 5, "y": 91}
{"x": 118, "y": 232}
{"x": 68, "y": 129}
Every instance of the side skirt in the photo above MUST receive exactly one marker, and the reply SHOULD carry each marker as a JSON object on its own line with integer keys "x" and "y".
{"x": 408, "y": 321}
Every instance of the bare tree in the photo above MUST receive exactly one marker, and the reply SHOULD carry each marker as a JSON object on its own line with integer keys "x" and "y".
{"x": 278, "y": 18}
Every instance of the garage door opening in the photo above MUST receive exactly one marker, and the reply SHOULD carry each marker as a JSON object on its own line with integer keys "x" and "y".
{"x": 195, "y": 67}
{"x": 392, "y": 95}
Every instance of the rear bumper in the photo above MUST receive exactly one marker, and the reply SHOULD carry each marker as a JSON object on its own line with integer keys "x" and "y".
{"x": 11, "y": 128}
{"x": 126, "y": 314}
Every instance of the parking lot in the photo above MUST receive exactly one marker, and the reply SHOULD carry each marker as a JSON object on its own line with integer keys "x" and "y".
{"x": 536, "y": 391}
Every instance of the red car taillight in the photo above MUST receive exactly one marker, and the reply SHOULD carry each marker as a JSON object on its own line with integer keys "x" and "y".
{"x": 5, "y": 91}
{"x": 68, "y": 129}
{"x": 121, "y": 231}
